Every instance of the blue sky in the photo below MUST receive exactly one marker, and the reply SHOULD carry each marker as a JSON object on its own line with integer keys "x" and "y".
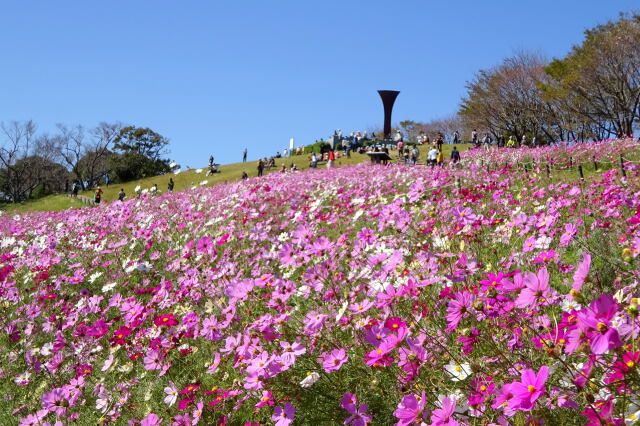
{"x": 218, "y": 76}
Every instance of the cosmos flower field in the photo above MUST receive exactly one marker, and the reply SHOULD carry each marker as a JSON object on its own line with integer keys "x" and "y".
{"x": 358, "y": 295}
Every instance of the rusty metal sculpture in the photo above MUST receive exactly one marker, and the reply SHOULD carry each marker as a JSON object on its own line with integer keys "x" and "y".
{"x": 388, "y": 98}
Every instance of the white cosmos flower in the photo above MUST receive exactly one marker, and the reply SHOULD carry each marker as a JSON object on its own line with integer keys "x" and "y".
{"x": 172, "y": 394}
{"x": 94, "y": 276}
{"x": 632, "y": 418}
{"x": 342, "y": 310}
{"x": 568, "y": 304}
{"x": 458, "y": 371}
{"x": 108, "y": 287}
{"x": 310, "y": 379}
{"x": 137, "y": 188}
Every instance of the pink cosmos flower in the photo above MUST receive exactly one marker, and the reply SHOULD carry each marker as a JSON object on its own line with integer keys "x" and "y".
{"x": 332, "y": 361}
{"x": 529, "y": 244}
{"x": 410, "y": 409}
{"x": 151, "y": 420}
{"x": 458, "y": 308}
{"x": 530, "y": 387}
{"x": 545, "y": 257}
{"x": 595, "y": 324}
{"x": 265, "y": 399}
{"x": 197, "y": 413}
{"x": 55, "y": 402}
{"x": 537, "y": 291}
{"x": 153, "y": 360}
{"x": 443, "y": 416}
{"x": 36, "y": 419}
{"x": 283, "y": 416}
{"x": 464, "y": 215}
{"x": 569, "y": 231}
{"x": 358, "y": 416}
{"x": 582, "y": 272}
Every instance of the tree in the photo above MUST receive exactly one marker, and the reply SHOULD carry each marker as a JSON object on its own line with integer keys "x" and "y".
{"x": 599, "y": 80}
{"x": 139, "y": 153}
{"x": 508, "y": 100}
{"x": 18, "y": 143}
{"x": 71, "y": 146}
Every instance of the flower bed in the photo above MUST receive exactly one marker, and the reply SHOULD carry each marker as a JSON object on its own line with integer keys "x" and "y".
{"x": 356, "y": 294}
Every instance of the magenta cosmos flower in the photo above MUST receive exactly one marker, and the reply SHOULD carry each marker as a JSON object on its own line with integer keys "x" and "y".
{"x": 410, "y": 409}
{"x": 530, "y": 387}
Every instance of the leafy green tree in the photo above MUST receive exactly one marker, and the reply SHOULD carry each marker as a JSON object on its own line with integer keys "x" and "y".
{"x": 599, "y": 80}
{"x": 139, "y": 153}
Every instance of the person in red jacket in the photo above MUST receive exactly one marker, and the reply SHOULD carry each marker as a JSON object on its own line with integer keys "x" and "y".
{"x": 332, "y": 158}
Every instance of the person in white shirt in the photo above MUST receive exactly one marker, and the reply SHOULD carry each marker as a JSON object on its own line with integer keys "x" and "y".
{"x": 432, "y": 156}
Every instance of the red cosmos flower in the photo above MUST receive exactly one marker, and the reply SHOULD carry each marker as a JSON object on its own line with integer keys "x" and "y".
{"x": 119, "y": 335}
{"x": 394, "y": 323}
{"x": 189, "y": 389}
{"x": 84, "y": 370}
{"x": 168, "y": 320}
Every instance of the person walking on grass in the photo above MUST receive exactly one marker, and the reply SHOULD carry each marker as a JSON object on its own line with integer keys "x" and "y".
{"x": 97, "y": 196}
{"x": 76, "y": 188}
{"x": 121, "y": 195}
{"x": 170, "y": 185}
{"x": 260, "y": 167}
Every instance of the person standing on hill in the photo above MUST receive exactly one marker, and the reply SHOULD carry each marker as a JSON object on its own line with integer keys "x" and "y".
{"x": 244, "y": 155}
{"x": 332, "y": 158}
{"x": 455, "y": 155}
{"x": 121, "y": 195}
{"x": 439, "y": 158}
{"x": 440, "y": 141}
{"x": 314, "y": 160}
{"x": 474, "y": 137}
{"x": 260, "y": 167}
{"x": 170, "y": 185}
{"x": 97, "y": 196}
{"x": 456, "y": 137}
{"x": 432, "y": 156}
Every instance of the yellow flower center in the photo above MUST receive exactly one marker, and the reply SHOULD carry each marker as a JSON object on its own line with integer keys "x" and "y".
{"x": 630, "y": 364}
{"x": 531, "y": 388}
{"x": 602, "y": 327}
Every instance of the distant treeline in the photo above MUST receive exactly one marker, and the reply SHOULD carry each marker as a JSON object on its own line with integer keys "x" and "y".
{"x": 33, "y": 164}
{"x": 593, "y": 93}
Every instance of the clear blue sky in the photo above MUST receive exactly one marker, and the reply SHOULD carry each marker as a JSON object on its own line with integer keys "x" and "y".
{"x": 218, "y": 76}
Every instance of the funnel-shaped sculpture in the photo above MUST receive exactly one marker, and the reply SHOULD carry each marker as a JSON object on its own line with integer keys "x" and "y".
{"x": 388, "y": 98}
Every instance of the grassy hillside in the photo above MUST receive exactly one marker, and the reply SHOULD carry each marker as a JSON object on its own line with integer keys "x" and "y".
{"x": 186, "y": 179}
